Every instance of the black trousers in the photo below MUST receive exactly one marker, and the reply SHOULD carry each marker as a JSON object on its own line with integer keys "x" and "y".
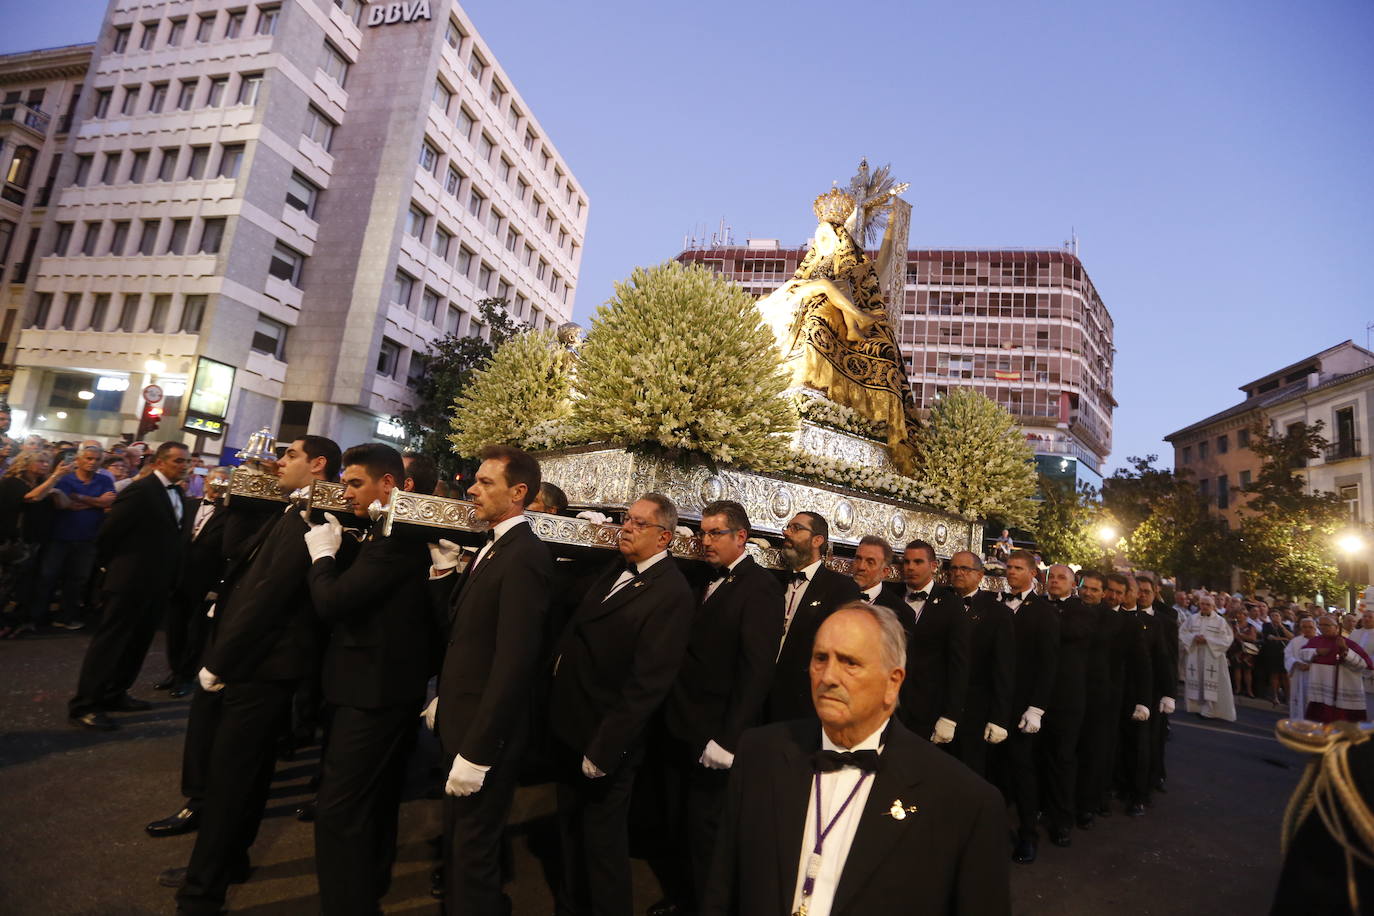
{"x": 186, "y": 628}
{"x": 117, "y": 649}
{"x": 1097, "y": 751}
{"x": 199, "y": 745}
{"x": 473, "y": 829}
{"x": 252, "y": 716}
{"x": 968, "y": 744}
{"x": 1159, "y": 732}
{"x": 1058, "y": 752}
{"x": 694, "y": 802}
{"x": 1018, "y": 778}
{"x": 357, "y": 805}
{"x": 1133, "y": 759}
{"x": 593, "y": 825}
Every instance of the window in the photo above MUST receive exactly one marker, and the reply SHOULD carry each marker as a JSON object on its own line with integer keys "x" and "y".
{"x": 549, "y": 222}
{"x": 464, "y": 260}
{"x": 335, "y": 64}
{"x": 453, "y": 35}
{"x": 477, "y": 66}
{"x": 484, "y": 275}
{"x": 475, "y": 201}
{"x": 181, "y": 233}
{"x": 544, "y": 157}
{"x": 192, "y": 314}
{"x": 157, "y": 98}
{"x": 318, "y": 127}
{"x": 455, "y": 320}
{"x": 429, "y": 157}
{"x": 233, "y": 27}
{"x": 42, "y": 307}
{"x": 1204, "y": 489}
{"x": 530, "y": 140}
{"x": 485, "y": 147}
{"x": 250, "y": 84}
{"x": 148, "y": 238}
{"x": 167, "y": 167}
{"x": 186, "y": 94}
{"x": 302, "y": 194}
{"x": 175, "y": 31}
{"x": 90, "y": 237}
{"x": 1223, "y": 444}
{"x": 70, "y": 308}
{"x": 269, "y": 337}
{"x": 562, "y": 237}
{"x": 513, "y": 115}
{"x": 83, "y": 170}
{"x": 62, "y": 240}
{"x": 130, "y": 100}
{"x": 205, "y": 26}
{"x": 138, "y": 166}
{"x": 1244, "y": 479}
{"x": 464, "y": 122}
{"x": 200, "y": 159}
{"x": 415, "y": 372}
{"x": 1350, "y": 495}
{"x": 453, "y": 181}
{"x": 286, "y": 264}
{"x": 543, "y": 269}
{"x": 157, "y": 318}
{"x": 267, "y": 20}
{"x": 1202, "y": 451}
{"x": 504, "y": 169}
{"x": 388, "y": 358}
{"x": 441, "y": 96}
{"x": 439, "y": 244}
{"x": 503, "y": 288}
{"x": 230, "y": 159}
{"x": 415, "y": 221}
{"x": 119, "y": 238}
{"x": 498, "y": 92}
{"x": 121, "y": 40}
{"x": 353, "y": 9}
{"x": 145, "y": 43}
{"x": 429, "y": 305}
{"x": 403, "y": 289}
{"x": 1187, "y": 455}
{"x": 522, "y": 187}
{"x": 1223, "y": 493}
{"x": 211, "y": 235}
{"x": 102, "y": 103}
{"x": 100, "y": 310}
{"x": 512, "y": 239}
{"x": 529, "y": 254}
{"x": 1242, "y": 438}
{"x": 494, "y": 222}
{"x": 128, "y": 311}
{"x": 554, "y": 282}
{"x": 110, "y": 169}
{"x": 219, "y": 85}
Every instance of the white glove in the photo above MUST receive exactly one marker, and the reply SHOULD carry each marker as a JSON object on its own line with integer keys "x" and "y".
{"x": 431, "y": 711}
{"x": 595, "y": 518}
{"x": 994, "y": 734}
{"x": 1166, "y": 705}
{"x": 590, "y": 769}
{"x": 464, "y": 778}
{"x": 209, "y": 681}
{"x": 716, "y": 757}
{"x": 1030, "y": 720}
{"x": 944, "y": 731}
{"x": 444, "y": 555}
{"x": 323, "y": 540}
{"x": 1141, "y": 713}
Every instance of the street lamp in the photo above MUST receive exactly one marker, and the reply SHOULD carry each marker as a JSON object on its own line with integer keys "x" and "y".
{"x": 1351, "y": 544}
{"x": 1108, "y": 536}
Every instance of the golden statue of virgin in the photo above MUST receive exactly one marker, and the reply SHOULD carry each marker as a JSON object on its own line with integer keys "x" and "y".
{"x": 832, "y": 329}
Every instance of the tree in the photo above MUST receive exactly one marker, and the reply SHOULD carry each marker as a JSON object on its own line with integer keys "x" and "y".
{"x": 1287, "y": 534}
{"x": 973, "y": 460}
{"x": 449, "y": 365}
{"x": 515, "y": 397}
{"x": 1180, "y": 538}
{"x": 1131, "y": 494}
{"x": 1068, "y": 523}
{"x": 679, "y": 363}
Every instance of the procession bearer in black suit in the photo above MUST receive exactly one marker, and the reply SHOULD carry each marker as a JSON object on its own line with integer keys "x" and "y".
{"x": 992, "y": 663}
{"x": 1068, "y": 704}
{"x": 495, "y": 613}
{"x": 937, "y": 650}
{"x": 264, "y": 642}
{"x": 617, "y": 659}
{"x": 140, "y": 546}
{"x": 719, "y": 693}
{"x": 379, "y": 658}
{"x": 811, "y": 592}
{"x": 855, "y": 814}
{"x": 871, "y": 559}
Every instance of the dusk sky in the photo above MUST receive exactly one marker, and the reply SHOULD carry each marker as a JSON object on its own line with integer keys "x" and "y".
{"x": 1213, "y": 158}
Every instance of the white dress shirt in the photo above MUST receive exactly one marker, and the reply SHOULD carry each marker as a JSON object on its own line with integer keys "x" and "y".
{"x": 626, "y": 576}
{"x": 795, "y": 590}
{"x": 715, "y": 583}
{"x": 871, "y": 596}
{"x": 497, "y": 533}
{"x": 204, "y": 511}
{"x": 173, "y": 496}
{"x": 1015, "y": 601}
{"x": 917, "y": 606}
{"x": 835, "y": 788}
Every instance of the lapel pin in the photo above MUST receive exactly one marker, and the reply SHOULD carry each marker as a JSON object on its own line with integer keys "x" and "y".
{"x": 897, "y": 812}
{"x": 638, "y": 584}
{"x": 814, "y": 603}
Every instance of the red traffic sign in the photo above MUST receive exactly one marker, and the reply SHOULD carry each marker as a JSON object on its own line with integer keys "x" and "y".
{"x": 152, "y": 394}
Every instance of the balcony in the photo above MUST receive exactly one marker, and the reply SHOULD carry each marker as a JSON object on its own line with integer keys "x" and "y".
{"x": 32, "y": 118}
{"x": 1342, "y": 449}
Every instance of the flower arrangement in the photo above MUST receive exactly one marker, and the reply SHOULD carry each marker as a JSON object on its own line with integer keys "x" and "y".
{"x": 856, "y": 477}
{"x": 823, "y": 412}
{"x": 520, "y": 398}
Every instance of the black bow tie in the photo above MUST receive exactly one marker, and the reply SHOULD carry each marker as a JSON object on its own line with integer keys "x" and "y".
{"x": 797, "y": 577}
{"x": 1059, "y": 601}
{"x": 917, "y": 596}
{"x": 1011, "y": 596}
{"x": 491, "y": 535}
{"x": 830, "y": 761}
{"x": 716, "y": 573}
{"x": 968, "y": 602}
{"x": 631, "y": 568}
{"x": 173, "y": 486}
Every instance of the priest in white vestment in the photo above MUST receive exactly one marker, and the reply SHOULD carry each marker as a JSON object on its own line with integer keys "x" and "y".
{"x": 1203, "y": 640}
{"x": 1363, "y": 636}
{"x": 1297, "y": 668}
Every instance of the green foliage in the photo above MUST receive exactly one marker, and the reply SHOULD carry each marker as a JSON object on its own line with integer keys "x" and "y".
{"x": 516, "y": 397}
{"x": 679, "y": 363}
{"x": 1067, "y": 524}
{"x": 1180, "y": 538}
{"x": 449, "y": 365}
{"x": 1130, "y": 494}
{"x": 973, "y": 460}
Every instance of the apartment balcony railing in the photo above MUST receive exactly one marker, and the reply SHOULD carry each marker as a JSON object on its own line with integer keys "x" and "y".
{"x": 32, "y": 118}
{"x": 1342, "y": 449}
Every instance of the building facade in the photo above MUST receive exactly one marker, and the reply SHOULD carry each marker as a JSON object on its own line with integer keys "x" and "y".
{"x": 1025, "y": 328}
{"x": 269, "y": 210}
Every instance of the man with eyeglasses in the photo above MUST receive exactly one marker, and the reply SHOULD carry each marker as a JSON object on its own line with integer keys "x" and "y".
{"x": 719, "y": 693}
{"x": 812, "y": 592}
{"x": 937, "y": 650}
{"x": 870, "y": 565}
{"x": 992, "y": 663}
{"x": 617, "y": 659}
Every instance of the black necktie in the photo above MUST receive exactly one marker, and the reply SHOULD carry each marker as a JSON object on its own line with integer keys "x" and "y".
{"x": 917, "y": 596}
{"x": 830, "y": 761}
{"x": 797, "y": 577}
{"x": 716, "y": 573}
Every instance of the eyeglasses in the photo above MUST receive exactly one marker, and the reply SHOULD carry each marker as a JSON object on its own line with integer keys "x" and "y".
{"x": 964, "y": 569}
{"x": 793, "y": 528}
{"x": 635, "y": 524}
{"x": 715, "y": 533}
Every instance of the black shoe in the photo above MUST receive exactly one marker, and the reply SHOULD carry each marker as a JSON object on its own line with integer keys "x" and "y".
{"x": 167, "y": 683}
{"x": 1105, "y": 810}
{"x": 306, "y": 812}
{"x": 184, "y": 821}
{"x": 1159, "y": 787}
{"x": 176, "y": 877}
{"x": 1136, "y": 810}
{"x": 97, "y": 721}
{"x": 180, "y": 690}
{"x": 665, "y": 908}
{"x": 1085, "y": 820}
{"x": 1059, "y": 836}
{"x": 69, "y": 624}
{"x": 126, "y": 703}
{"x": 436, "y": 883}
{"x": 1025, "y": 850}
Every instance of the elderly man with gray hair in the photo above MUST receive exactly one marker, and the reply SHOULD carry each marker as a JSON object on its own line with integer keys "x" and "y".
{"x": 875, "y": 817}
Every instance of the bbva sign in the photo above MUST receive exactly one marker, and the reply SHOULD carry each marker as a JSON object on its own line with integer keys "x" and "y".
{"x": 391, "y": 13}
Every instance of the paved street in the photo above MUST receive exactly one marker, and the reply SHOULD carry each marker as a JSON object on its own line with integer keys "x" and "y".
{"x": 73, "y": 805}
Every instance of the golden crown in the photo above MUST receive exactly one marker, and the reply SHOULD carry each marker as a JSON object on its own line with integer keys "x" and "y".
{"x": 834, "y": 206}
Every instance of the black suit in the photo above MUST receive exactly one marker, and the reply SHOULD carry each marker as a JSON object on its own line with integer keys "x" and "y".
{"x": 992, "y": 676}
{"x": 1140, "y": 636}
{"x": 498, "y": 610}
{"x": 375, "y": 669}
{"x": 790, "y": 695}
{"x": 140, "y": 546}
{"x": 1101, "y": 715}
{"x": 947, "y": 856}
{"x": 719, "y": 692}
{"x": 1036, "y": 630}
{"x": 617, "y": 660}
{"x": 891, "y": 595}
{"x": 937, "y": 662}
{"x": 205, "y": 560}
{"x": 1068, "y": 705}
{"x": 1166, "y": 685}
{"x": 264, "y": 642}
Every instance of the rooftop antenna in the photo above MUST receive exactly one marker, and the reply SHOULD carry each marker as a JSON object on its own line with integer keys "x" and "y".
{"x": 1368, "y": 330}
